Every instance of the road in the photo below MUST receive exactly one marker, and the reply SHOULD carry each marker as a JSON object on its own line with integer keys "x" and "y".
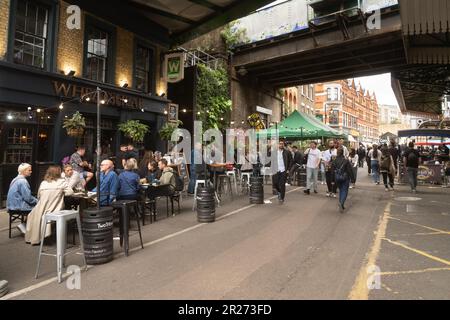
{"x": 303, "y": 249}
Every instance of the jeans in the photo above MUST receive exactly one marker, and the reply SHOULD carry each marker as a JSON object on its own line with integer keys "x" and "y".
{"x": 311, "y": 178}
{"x": 331, "y": 185}
{"x": 387, "y": 175}
{"x": 343, "y": 191}
{"x": 279, "y": 183}
{"x": 412, "y": 177}
{"x": 375, "y": 170}
{"x": 355, "y": 174}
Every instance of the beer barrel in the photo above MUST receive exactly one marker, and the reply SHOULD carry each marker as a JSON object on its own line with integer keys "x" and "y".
{"x": 206, "y": 205}
{"x": 97, "y": 228}
{"x": 256, "y": 189}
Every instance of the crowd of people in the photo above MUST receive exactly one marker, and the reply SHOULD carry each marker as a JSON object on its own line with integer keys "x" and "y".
{"x": 121, "y": 179}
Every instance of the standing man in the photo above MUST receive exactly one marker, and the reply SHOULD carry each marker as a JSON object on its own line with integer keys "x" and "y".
{"x": 312, "y": 168}
{"x": 411, "y": 162}
{"x": 284, "y": 161}
{"x": 120, "y": 157}
{"x": 328, "y": 157}
{"x": 361, "y": 156}
{"x": 393, "y": 150}
{"x": 132, "y": 153}
{"x": 340, "y": 144}
{"x": 109, "y": 183}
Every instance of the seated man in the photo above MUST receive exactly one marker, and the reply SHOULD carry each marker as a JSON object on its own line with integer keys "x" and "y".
{"x": 167, "y": 176}
{"x": 79, "y": 165}
{"x": 19, "y": 197}
{"x": 74, "y": 181}
{"x": 109, "y": 183}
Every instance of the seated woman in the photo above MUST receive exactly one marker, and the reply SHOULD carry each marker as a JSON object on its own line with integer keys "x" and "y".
{"x": 129, "y": 182}
{"x": 51, "y": 199}
{"x": 19, "y": 197}
{"x": 153, "y": 172}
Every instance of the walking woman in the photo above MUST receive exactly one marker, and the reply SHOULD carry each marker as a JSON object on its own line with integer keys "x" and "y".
{"x": 354, "y": 161}
{"x": 387, "y": 168}
{"x": 343, "y": 175}
{"x": 375, "y": 158}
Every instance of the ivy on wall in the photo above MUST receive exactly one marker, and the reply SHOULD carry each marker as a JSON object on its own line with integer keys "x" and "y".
{"x": 213, "y": 97}
{"x": 232, "y": 35}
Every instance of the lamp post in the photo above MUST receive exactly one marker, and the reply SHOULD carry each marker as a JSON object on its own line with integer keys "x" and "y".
{"x": 98, "y": 91}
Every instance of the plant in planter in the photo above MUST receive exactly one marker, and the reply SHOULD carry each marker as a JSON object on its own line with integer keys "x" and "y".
{"x": 134, "y": 130}
{"x": 75, "y": 125}
{"x": 167, "y": 130}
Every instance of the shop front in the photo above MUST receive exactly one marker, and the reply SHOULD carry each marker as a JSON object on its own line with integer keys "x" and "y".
{"x": 34, "y": 104}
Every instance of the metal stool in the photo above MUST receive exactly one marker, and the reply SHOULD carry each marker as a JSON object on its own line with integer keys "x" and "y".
{"x": 61, "y": 218}
{"x": 124, "y": 207}
{"x": 223, "y": 180}
{"x": 15, "y": 215}
{"x": 232, "y": 174}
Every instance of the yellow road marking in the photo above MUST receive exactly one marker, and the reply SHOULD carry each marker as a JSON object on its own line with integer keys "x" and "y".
{"x": 422, "y": 253}
{"x": 394, "y": 273}
{"x": 422, "y": 226}
{"x": 360, "y": 290}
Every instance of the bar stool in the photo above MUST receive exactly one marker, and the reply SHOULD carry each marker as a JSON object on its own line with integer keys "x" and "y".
{"x": 232, "y": 175}
{"x": 15, "y": 215}
{"x": 124, "y": 207}
{"x": 224, "y": 180}
{"x": 61, "y": 218}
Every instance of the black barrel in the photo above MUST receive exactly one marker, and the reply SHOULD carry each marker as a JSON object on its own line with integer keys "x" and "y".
{"x": 97, "y": 227}
{"x": 256, "y": 190}
{"x": 301, "y": 177}
{"x": 206, "y": 205}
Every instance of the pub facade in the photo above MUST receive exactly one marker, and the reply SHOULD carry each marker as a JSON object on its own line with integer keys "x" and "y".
{"x": 50, "y": 68}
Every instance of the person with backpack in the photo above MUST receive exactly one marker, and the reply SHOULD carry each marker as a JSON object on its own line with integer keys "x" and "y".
{"x": 387, "y": 168}
{"x": 411, "y": 162}
{"x": 361, "y": 156}
{"x": 343, "y": 174}
{"x": 375, "y": 157}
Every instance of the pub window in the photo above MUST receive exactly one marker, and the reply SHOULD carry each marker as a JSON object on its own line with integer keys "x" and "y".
{"x": 143, "y": 69}
{"x": 20, "y": 146}
{"x": 31, "y": 32}
{"x": 97, "y": 54}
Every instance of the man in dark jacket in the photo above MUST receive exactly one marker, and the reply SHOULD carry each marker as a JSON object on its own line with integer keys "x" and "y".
{"x": 361, "y": 156}
{"x": 393, "y": 150}
{"x": 297, "y": 162}
{"x": 284, "y": 162}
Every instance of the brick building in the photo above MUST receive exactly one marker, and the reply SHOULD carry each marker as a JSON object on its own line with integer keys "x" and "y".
{"x": 299, "y": 98}
{"x": 347, "y": 107}
{"x": 46, "y": 69}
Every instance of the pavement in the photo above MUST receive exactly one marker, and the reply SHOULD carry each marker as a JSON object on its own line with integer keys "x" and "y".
{"x": 304, "y": 249}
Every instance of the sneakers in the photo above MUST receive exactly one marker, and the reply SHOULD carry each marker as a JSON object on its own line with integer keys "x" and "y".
{"x": 341, "y": 208}
{"x": 315, "y": 191}
{"x": 334, "y": 195}
{"x": 386, "y": 189}
{"x": 414, "y": 191}
{"x": 22, "y": 228}
{"x": 307, "y": 192}
{"x": 328, "y": 194}
{"x": 280, "y": 201}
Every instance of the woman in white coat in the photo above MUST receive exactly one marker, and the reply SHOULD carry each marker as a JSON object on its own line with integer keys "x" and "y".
{"x": 50, "y": 199}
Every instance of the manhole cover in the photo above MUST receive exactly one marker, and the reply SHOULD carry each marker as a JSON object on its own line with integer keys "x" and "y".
{"x": 407, "y": 199}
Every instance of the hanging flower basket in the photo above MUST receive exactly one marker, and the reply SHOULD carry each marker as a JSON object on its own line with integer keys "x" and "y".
{"x": 75, "y": 132}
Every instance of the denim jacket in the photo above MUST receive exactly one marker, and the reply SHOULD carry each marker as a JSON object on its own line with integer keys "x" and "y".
{"x": 19, "y": 195}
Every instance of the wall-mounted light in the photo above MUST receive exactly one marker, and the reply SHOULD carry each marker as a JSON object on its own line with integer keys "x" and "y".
{"x": 184, "y": 110}
{"x": 38, "y": 110}
{"x": 9, "y": 117}
{"x": 29, "y": 108}
{"x": 61, "y": 106}
{"x": 198, "y": 113}
{"x": 102, "y": 101}
{"x": 163, "y": 95}
{"x": 142, "y": 110}
{"x": 165, "y": 111}
{"x": 88, "y": 99}
{"x": 71, "y": 73}
{"x": 242, "y": 122}
{"x": 221, "y": 119}
{"x": 232, "y": 123}
{"x": 125, "y": 85}
{"x": 125, "y": 101}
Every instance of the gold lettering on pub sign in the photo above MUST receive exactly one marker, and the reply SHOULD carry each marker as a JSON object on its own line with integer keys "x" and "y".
{"x": 71, "y": 91}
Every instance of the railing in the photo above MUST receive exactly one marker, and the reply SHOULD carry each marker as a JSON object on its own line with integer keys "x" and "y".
{"x": 194, "y": 57}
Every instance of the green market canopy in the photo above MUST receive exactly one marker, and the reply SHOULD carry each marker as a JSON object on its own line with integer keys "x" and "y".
{"x": 300, "y": 126}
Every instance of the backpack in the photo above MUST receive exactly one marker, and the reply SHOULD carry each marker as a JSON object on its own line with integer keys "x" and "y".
{"x": 65, "y": 160}
{"x": 341, "y": 174}
{"x": 412, "y": 157}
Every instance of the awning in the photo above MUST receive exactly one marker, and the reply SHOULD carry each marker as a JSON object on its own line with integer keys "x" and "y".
{"x": 351, "y": 138}
{"x": 301, "y": 126}
{"x": 424, "y": 133}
